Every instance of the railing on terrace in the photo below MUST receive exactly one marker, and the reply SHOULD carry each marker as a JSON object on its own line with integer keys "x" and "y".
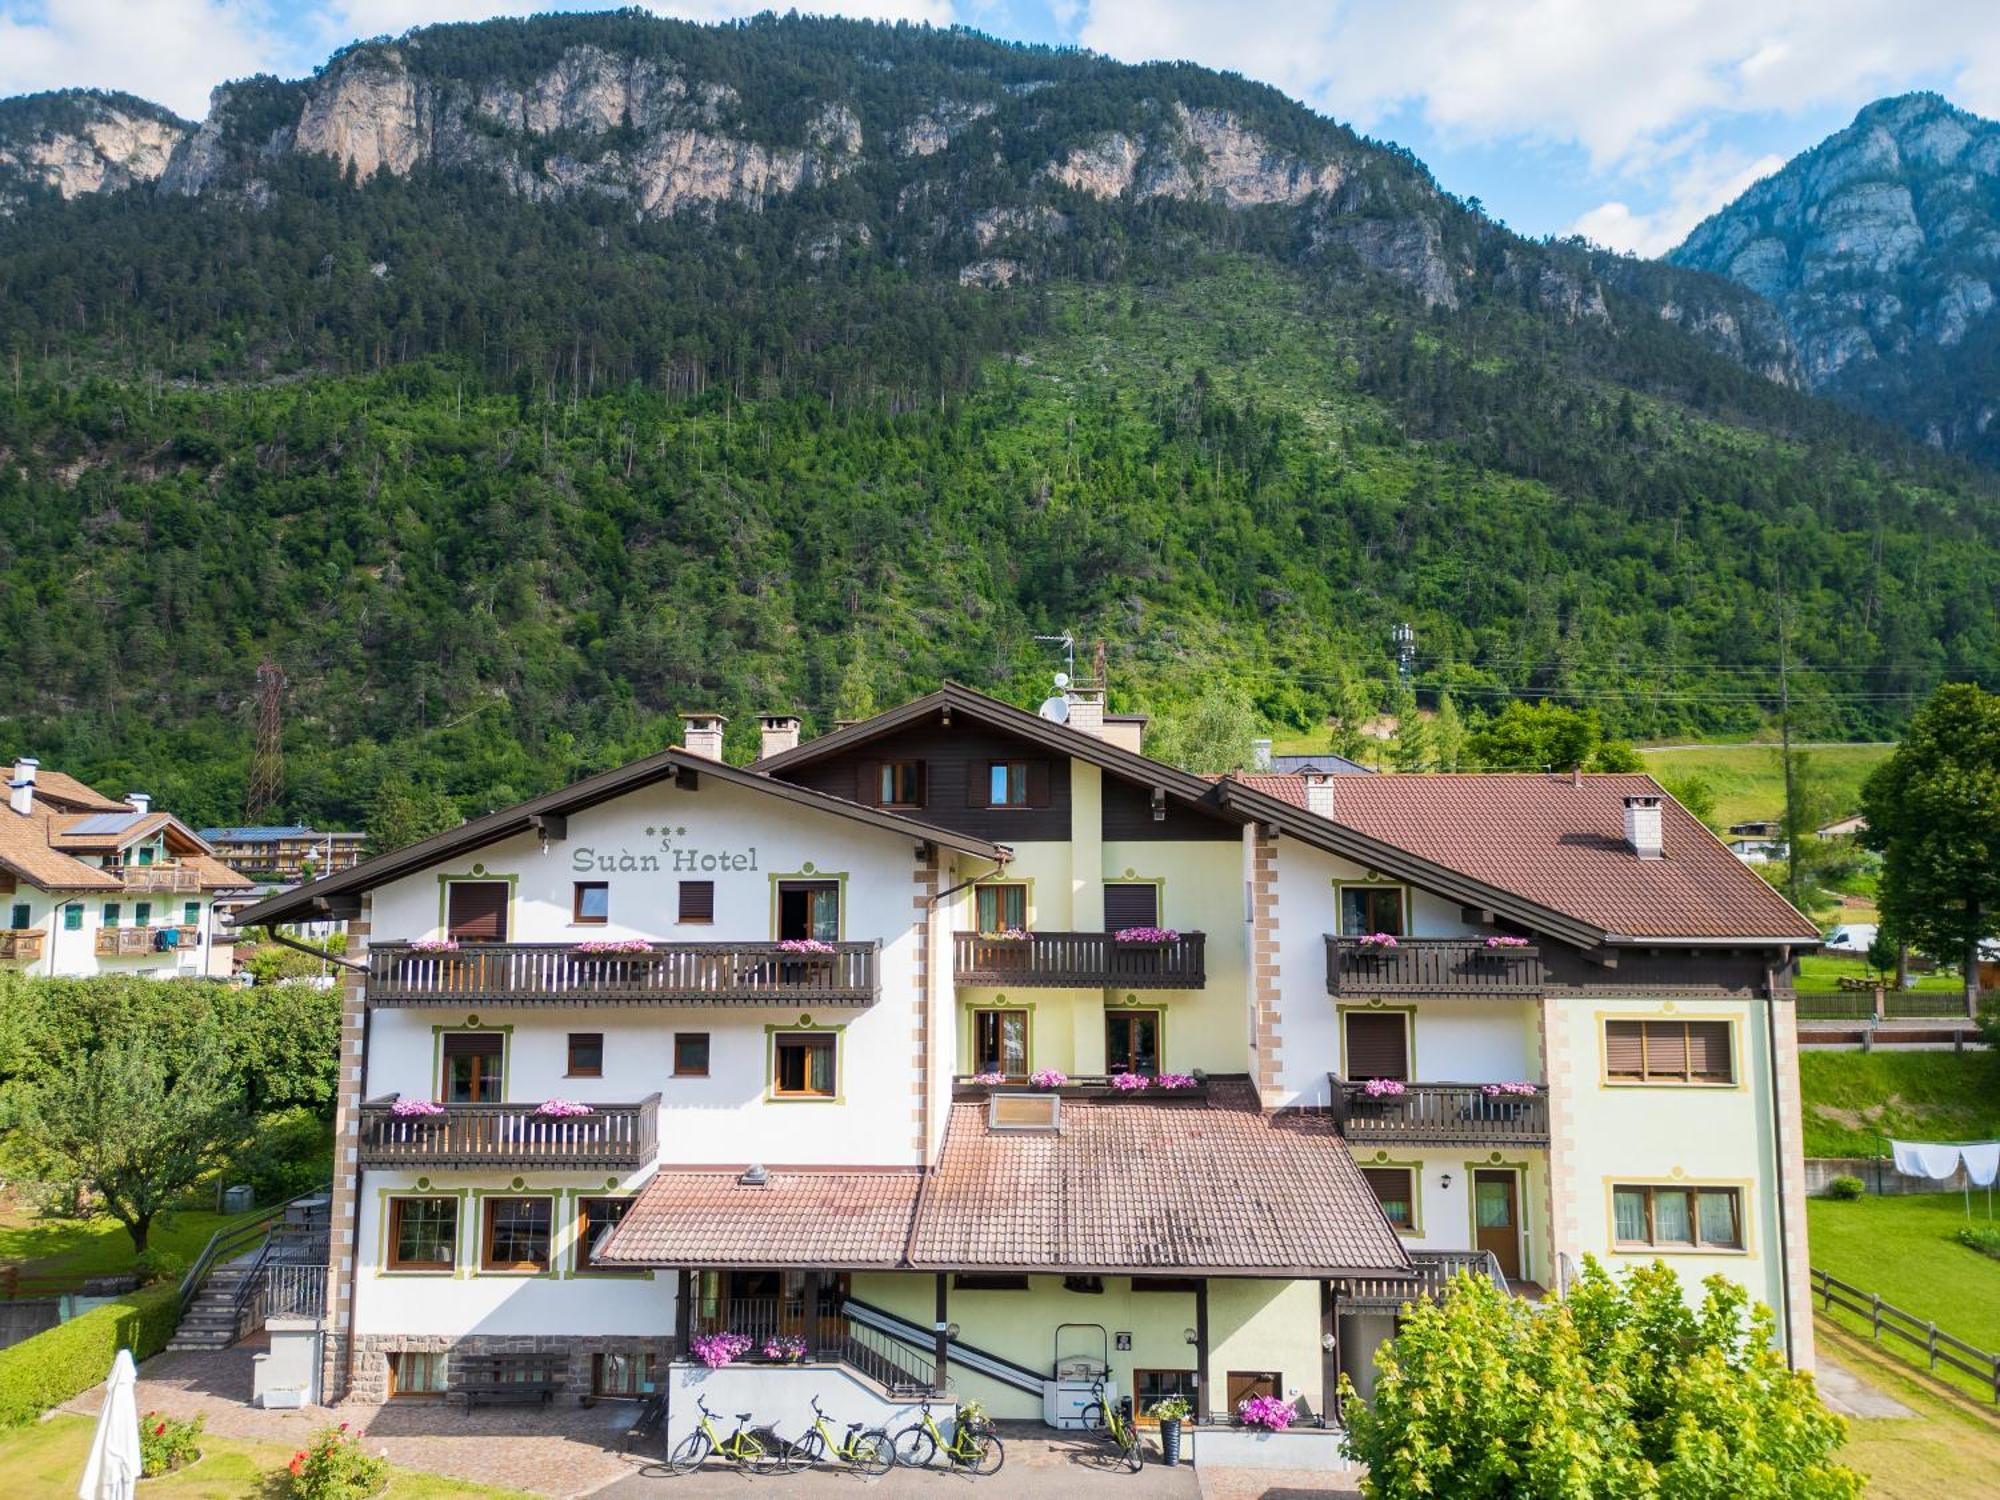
{"x": 1885, "y": 1319}
{"x": 125, "y": 942}
{"x": 1431, "y": 966}
{"x": 235, "y": 1239}
{"x": 1080, "y": 960}
{"x": 1442, "y": 1114}
{"x": 23, "y": 943}
{"x": 680, "y": 973}
{"x": 1432, "y": 1273}
{"x": 503, "y": 1135}
{"x": 169, "y": 875}
{"x": 829, "y": 1336}
{"x": 1085, "y": 1086}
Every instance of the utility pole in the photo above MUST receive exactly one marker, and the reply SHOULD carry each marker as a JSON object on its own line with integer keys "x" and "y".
{"x": 1785, "y": 742}
{"x": 267, "y": 757}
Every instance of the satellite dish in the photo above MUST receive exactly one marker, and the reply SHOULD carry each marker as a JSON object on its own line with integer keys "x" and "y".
{"x": 1062, "y": 681}
{"x": 1055, "y": 710}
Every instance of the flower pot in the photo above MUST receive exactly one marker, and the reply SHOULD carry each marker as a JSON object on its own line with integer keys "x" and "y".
{"x": 1170, "y": 1441}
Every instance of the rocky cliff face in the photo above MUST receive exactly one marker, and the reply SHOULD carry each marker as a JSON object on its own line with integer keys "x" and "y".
{"x": 78, "y": 142}
{"x": 1881, "y": 249}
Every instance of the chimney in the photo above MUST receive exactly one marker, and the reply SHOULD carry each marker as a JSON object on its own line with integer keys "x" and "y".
{"x": 142, "y": 802}
{"x": 1642, "y": 827}
{"x": 21, "y": 790}
{"x": 1086, "y": 711}
{"x": 780, "y": 732}
{"x": 701, "y": 734}
{"x": 1319, "y": 792}
{"x": 1260, "y": 755}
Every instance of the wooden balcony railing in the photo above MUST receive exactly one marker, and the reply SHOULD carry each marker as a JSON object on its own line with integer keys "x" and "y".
{"x": 1442, "y": 1114}
{"x": 1080, "y": 960}
{"x": 1431, "y": 966}
{"x": 169, "y": 875}
{"x": 510, "y": 1135}
{"x": 1085, "y": 1086}
{"x": 23, "y": 943}
{"x": 125, "y": 942}
{"x": 676, "y": 973}
{"x": 1432, "y": 1273}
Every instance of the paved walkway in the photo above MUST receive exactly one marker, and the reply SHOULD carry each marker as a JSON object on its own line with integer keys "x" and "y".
{"x": 1850, "y": 1395}
{"x": 1272, "y": 1484}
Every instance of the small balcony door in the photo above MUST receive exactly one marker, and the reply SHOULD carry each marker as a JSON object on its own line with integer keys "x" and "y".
{"x": 1132, "y": 1041}
{"x": 1000, "y": 1042}
{"x": 476, "y": 910}
{"x": 1496, "y": 1217}
{"x": 809, "y": 909}
{"x": 472, "y": 1067}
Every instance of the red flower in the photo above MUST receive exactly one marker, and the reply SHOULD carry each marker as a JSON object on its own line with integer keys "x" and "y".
{"x": 297, "y": 1464}
{"x": 343, "y": 1427}
{"x": 161, "y": 1430}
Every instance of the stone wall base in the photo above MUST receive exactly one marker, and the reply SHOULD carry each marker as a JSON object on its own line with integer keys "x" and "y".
{"x": 372, "y": 1351}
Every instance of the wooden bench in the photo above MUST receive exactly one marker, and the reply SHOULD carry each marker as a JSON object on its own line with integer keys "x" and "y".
{"x": 1851, "y": 982}
{"x": 507, "y": 1377}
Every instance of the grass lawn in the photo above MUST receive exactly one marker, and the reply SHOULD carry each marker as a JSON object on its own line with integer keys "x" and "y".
{"x": 96, "y": 1247}
{"x": 1950, "y": 1447}
{"x": 1854, "y": 1101}
{"x": 44, "y": 1462}
{"x": 1900, "y": 1249}
{"x": 1821, "y": 973}
{"x": 1750, "y": 784}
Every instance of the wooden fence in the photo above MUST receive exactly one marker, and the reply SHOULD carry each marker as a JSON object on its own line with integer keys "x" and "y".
{"x": 1886, "y": 1319}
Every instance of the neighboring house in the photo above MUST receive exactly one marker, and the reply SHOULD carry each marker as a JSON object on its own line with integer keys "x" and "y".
{"x": 1759, "y": 851}
{"x": 805, "y": 1001}
{"x": 287, "y": 853}
{"x": 91, "y": 884}
{"x": 1324, "y": 762}
{"x": 1843, "y": 828}
{"x": 1757, "y": 830}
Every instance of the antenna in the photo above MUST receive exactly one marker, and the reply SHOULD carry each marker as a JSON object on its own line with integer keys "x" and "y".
{"x": 1406, "y": 651}
{"x": 267, "y": 759}
{"x": 1056, "y": 709}
{"x": 1068, "y": 644}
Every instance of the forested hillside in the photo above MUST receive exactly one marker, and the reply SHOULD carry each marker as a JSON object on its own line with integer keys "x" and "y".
{"x": 502, "y": 473}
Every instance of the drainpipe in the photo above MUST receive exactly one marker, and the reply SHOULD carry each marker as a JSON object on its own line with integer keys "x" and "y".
{"x": 1778, "y": 1153}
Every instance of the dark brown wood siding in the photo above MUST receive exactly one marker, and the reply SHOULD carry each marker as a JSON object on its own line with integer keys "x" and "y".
{"x": 955, "y": 765}
{"x": 1128, "y": 814}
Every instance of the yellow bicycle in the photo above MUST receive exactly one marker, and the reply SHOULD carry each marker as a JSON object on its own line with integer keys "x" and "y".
{"x": 973, "y": 1445}
{"x": 742, "y": 1447}
{"x": 872, "y": 1452}
{"x": 1112, "y": 1421}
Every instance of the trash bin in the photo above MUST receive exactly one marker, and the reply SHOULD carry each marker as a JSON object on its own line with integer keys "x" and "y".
{"x": 239, "y": 1199}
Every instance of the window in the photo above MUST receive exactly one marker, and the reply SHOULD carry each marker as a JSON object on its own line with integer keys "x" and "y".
{"x": 1243, "y": 1384}
{"x": 142, "y": 914}
{"x": 190, "y": 914}
{"x": 596, "y": 1217}
{"x": 423, "y": 1234}
{"x": 690, "y": 1054}
{"x": 111, "y": 913}
{"x": 517, "y": 1234}
{"x": 590, "y": 904}
{"x": 146, "y": 854}
{"x": 1090, "y": 1286}
{"x": 1151, "y": 1386}
{"x": 1001, "y": 908}
{"x": 697, "y": 900}
{"x": 1668, "y": 1052}
{"x": 900, "y": 783}
{"x": 621, "y": 1377}
{"x": 803, "y": 1065}
{"x": 416, "y": 1375}
{"x": 476, "y": 910}
{"x": 809, "y": 909}
{"x": 1007, "y": 783}
{"x": 1395, "y": 1188}
{"x": 1689, "y": 1217}
{"x": 1131, "y": 903}
{"x": 586, "y": 1054}
{"x": 473, "y": 1067}
{"x": 1000, "y": 1042}
{"x": 22, "y": 916}
{"x": 73, "y": 917}
{"x": 1378, "y": 1044}
{"x": 1132, "y": 1041}
{"x": 1371, "y": 908}
{"x": 976, "y": 1281}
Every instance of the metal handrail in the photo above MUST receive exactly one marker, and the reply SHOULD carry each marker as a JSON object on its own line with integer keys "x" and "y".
{"x": 235, "y": 1237}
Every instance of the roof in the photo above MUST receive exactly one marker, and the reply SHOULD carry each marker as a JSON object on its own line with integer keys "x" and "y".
{"x": 1560, "y": 842}
{"x": 25, "y": 850}
{"x": 66, "y": 818}
{"x": 104, "y": 830}
{"x": 806, "y": 1217}
{"x": 272, "y": 835}
{"x": 305, "y": 901}
{"x": 1130, "y": 1186}
{"x": 1325, "y": 760}
{"x": 73, "y": 795}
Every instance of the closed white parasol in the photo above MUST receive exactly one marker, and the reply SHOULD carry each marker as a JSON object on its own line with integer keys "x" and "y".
{"x": 113, "y": 1470}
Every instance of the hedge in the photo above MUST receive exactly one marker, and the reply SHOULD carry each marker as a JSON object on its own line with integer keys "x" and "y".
{"x": 60, "y": 1362}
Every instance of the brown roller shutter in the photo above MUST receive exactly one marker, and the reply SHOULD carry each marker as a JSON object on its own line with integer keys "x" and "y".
{"x": 1625, "y": 1049}
{"x": 697, "y": 900}
{"x": 476, "y": 911}
{"x": 1391, "y": 1186}
{"x": 1131, "y": 905}
{"x": 1708, "y": 1052}
{"x": 1377, "y": 1046}
{"x": 1666, "y": 1049}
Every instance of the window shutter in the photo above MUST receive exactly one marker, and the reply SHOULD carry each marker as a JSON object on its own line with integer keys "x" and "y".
{"x": 697, "y": 900}
{"x": 1666, "y": 1049}
{"x": 477, "y": 911}
{"x": 472, "y": 1044}
{"x": 868, "y": 783}
{"x": 1391, "y": 1186}
{"x": 923, "y": 770}
{"x": 1624, "y": 1049}
{"x": 1708, "y": 1051}
{"x": 1377, "y": 1046}
{"x": 979, "y": 783}
{"x": 1038, "y": 783}
{"x": 1131, "y": 905}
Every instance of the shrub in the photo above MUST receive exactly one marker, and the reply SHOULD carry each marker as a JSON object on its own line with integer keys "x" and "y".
{"x": 58, "y": 1363}
{"x": 1846, "y": 1188}
{"x": 1985, "y": 1241}
{"x": 168, "y": 1443}
{"x": 155, "y": 1266}
{"x": 290, "y": 1152}
{"x": 332, "y": 1467}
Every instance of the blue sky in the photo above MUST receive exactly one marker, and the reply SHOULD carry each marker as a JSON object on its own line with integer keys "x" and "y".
{"x": 1627, "y": 120}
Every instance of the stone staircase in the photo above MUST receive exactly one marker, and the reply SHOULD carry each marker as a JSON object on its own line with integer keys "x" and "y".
{"x": 224, "y": 1296}
{"x": 212, "y": 1318}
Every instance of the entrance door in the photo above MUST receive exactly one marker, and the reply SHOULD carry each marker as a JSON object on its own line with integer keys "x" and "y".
{"x": 1132, "y": 1041}
{"x": 1496, "y": 1217}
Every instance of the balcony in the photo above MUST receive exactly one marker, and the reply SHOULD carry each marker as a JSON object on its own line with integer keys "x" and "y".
{"x": 1442, "y": 1114}
{"x": 1431, "y": 966}
{"x": 672, "y": 974}
{"x": 1431, "y": 1275}
{"x": 131, "y": 942}
{"x": 510, "y": 1135}
{"x": 169, "y": 875}
{"x": 23, "y": 944}
{"x": 1079, "y": 960}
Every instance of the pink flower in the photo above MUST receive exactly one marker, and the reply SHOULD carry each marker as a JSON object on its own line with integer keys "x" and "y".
{"x": 1048, "y": 1078}
{"x": 1382, "y": 1088}
{"x": 1129, "y": 1083}
{"x": 1268, "y": 1412}
{"x": 562, "y": 1109}
{"x": 1377, "y": 940}
{"x": 1146, "y": 935}
{"x": 1174, "y": 1081}
{"x": 989, "y": 1079}
{"x": 806, "y": 945}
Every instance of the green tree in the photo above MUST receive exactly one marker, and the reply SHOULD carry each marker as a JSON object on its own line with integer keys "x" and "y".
{"x": 1933, "y": 811}
{"x": 1448, "y": 734}
{"x": 1413, "y": 750}
{"x": 1209, "y": 736}
{"x": 403, "y": 812}
{"x": 1693, "y": 791}
{"x": 1545, "y": 736}
{"x": 1353, "y": 711}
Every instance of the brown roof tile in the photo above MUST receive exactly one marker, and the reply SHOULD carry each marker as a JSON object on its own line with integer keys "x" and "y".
{"x": 72, "y": 795}
{"x": 1219, "y": 1186}
{"x": 705, "y": 1217}
{"x": 1562, "y": 845}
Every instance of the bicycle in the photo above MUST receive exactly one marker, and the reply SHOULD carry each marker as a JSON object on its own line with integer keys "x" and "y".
{"x": 742, "y": 1447}
{"x": 973, "y": 1445}
{"x": 872, "y": 1452}
{"x": 1114, "y": 1424}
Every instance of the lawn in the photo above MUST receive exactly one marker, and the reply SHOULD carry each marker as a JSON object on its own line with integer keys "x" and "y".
{"x": 44, "y": 1462}
{"x": 1950, "y": 1447}
{"x": 96, "y": 1247}
{"x": 1821, "y": 973}
{"x": 1749, "y": 783}
{"x": 1900, "y": 1248}
{"x": 1855, "y": 1101}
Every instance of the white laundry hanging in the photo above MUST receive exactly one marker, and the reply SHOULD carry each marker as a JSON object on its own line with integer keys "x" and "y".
{"x": 1982, "y": 1162}
{"x": 1908, "y": 1162}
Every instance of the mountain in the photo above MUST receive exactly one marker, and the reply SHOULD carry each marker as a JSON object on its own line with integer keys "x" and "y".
{"x": 511, "y": 385}
{"x": 1881, "y": 247}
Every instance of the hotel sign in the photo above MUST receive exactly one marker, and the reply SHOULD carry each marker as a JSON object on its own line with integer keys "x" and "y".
{"x": 668, "y": 856}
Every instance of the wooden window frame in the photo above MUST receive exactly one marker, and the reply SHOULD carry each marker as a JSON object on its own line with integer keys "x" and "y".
{"x": 645, "y": 1365}
{"x": 707, "y": 1055}
{"x": 1187, "y": 1384}
{"x": 506, "y": 915}
{"x": 784, "y": 1041}
{"x": 810, "y": 888}
{"x": 1130, "y": 1016}
{"x": 1646, "y": 1077}
{"x": 435, "y": 1361}
{"x": 888, "y": 775}
{"x": 690, "y": 913}
{"x": 997, "y": 1015}
{"x": 1369, "y": 890}
{"x": 1408, "y": 1021}
{"x": 1692, "y": 1191}
{"x": 1002, "y": 893}
{"x": 570, "y": 1069}
{"x": 1017, "y": 777}
{"x": 1411, "y": 1179}
{"x": 393, "y": 1259}
{"x": 487, "y": 1214}
{"x": 586, "y": 1228}
{"x": 578, "y": 917}
{"x": 444, "y": 1065}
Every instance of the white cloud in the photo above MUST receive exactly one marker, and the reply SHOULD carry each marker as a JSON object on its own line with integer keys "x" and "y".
{"x": 1707, "y": 183}
{"x": 170, "y": 51}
